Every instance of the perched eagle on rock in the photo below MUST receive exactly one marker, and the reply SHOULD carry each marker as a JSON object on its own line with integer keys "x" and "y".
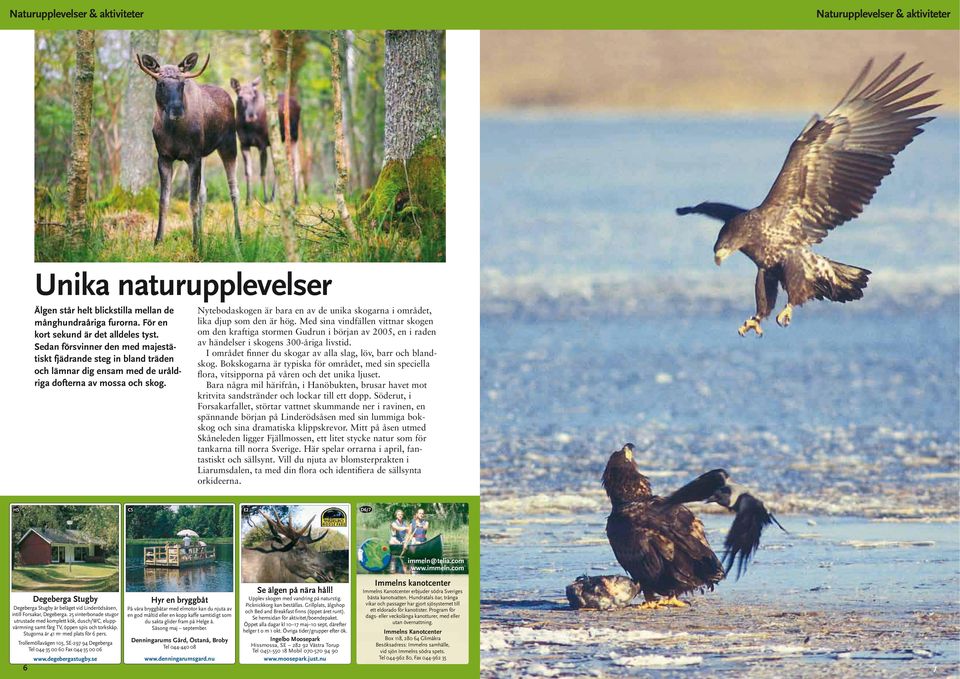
{"x": 831, "y": 172}
{"x": 660, "y": 542}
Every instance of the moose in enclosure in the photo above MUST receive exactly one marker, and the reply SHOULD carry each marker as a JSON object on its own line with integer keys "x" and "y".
{"x": 190, "y": 122}
{"x": 253, "y": 131}
{"x": 288, "y": 556}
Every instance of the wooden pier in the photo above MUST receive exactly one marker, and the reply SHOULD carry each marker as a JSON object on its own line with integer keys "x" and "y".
{"x": 177, "y": 556}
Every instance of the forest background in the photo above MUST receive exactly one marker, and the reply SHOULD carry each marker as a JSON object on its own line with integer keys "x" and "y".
{"x": 118, "y": 219}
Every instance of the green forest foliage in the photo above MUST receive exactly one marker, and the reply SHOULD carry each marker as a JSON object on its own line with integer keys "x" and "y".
{"x": 441, "y": 515}
{"x": 121, "y": 225}
{"x": 100, "y": 522}
{"x": 165, "y": 521}
{"x": 232, "y": 54}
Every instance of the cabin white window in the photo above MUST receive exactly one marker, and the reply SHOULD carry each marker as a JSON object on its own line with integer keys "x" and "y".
{"x": 58, "y": 554}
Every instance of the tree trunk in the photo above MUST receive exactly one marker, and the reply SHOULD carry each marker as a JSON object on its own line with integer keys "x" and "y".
{"x": 350, "y": 110}
{"x": 79, "y": 174}
{"x": 290, "y": 48}
{"x": 414, "y": 151}
{"x": 412, "y": 91}
{"x": 287, "y": 93}
{"x": 338, "y": 131}
{"x": 370, "y": 166}
{"x": 138, "y": 155}
{"x": 297, "y": 44}
{"x": 278, "y": 155}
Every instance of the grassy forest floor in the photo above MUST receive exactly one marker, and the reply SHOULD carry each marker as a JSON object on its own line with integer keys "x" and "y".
{"x": 78, "y": 577}
{"x": 125, "y": 233}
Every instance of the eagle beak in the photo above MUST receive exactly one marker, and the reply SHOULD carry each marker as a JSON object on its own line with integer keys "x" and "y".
{"x": 720, "y": 255}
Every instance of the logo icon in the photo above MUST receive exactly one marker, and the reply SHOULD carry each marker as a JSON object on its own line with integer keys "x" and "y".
{"x": 333, "y": 517}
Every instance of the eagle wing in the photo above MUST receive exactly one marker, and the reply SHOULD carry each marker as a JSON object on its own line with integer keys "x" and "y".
{"x": 743, "y": 539}
{"x": 836, "y": 164}
{"x": 663, "y": 547}
{"x": 701, "y": 488}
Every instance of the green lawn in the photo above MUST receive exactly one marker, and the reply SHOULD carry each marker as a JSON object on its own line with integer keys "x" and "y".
{"x": 78, "y": 577}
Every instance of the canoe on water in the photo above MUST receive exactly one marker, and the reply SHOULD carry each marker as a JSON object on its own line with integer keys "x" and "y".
{"x": 431, "y": 549}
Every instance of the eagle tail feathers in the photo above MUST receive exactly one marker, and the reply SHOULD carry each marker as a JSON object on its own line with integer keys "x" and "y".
{"x": 849, "y": 282}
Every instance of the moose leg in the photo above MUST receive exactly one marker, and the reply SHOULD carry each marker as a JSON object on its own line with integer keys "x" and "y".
{"x": 263, "y": 171}
{"x": 196, "y": 178}
{"x": 165, "y": 167}
{"x": 247, "y": 169}
{"x": 203, "y": 190}
{"x": 295, "y": 153}
{"x": 228, "y": 154}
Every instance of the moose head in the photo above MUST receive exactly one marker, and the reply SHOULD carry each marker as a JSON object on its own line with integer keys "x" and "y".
{"x": 170, "y": 81}
{"x": 291, "y": 558}
{"x": 250, "y": 102}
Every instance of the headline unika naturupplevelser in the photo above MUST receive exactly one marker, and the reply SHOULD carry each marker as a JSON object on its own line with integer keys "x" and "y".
{"x": 209, "y": 288}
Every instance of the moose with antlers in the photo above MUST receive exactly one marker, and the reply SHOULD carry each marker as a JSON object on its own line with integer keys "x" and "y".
{"x": 191, "y": 121}
{"x": 289, "y": 556}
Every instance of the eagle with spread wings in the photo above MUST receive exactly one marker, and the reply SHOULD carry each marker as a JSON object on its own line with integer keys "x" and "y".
{"x": 831, "y": 172}
{"x": 662, "y": 544}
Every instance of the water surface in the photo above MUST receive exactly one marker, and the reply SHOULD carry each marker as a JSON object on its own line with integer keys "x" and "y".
{"x": 215, "y": 576}
{"x": 605, "y": 321}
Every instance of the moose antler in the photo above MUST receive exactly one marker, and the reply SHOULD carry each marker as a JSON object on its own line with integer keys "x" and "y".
{"x": 140, "y": 59}
{"x": 280, "y": 533}
{"x": 304, "y": 534}
{"x": 198, "y": 73}
{"x": 309, "y": 540}
{"x": 143, "y": 68}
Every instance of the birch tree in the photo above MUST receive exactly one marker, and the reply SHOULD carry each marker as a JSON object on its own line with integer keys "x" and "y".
{"x": 373, "y": 86}
{"x": 349, "y": 88}
{"x": 414, "y": 152}
{"x": 137, "y": 151}
{"x": 79, "y": 174}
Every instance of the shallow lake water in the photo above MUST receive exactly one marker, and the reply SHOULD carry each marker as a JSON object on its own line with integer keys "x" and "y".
{"x": 605, "y": 321}
{"x": 215, "y": 576}
{"x": 853, "y": 596}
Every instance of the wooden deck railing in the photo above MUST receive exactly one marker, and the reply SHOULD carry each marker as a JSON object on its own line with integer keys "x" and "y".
{"x": 175, "y": 556}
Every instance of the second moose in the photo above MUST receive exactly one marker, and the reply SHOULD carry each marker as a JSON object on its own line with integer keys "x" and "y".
{"x": 253, "y": 131}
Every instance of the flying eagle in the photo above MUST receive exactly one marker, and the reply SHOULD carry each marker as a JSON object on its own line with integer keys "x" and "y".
{"x": 660, "y": 542}
{"x": 752, "y": 516}
{"x": 831, "y": 172}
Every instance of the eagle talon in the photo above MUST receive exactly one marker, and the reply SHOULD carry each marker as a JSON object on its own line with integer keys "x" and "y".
{"x": 785, "y": 316}
{"x": 671, "y": 602}
{"x": 750, "y": 324}
{"x": 674, "y": 602}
